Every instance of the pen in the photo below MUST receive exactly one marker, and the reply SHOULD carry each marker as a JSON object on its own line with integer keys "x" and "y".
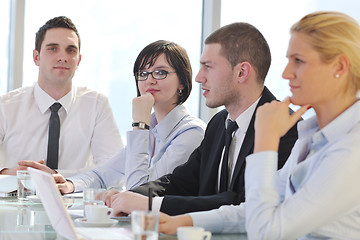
{"x": 150, "y": 199}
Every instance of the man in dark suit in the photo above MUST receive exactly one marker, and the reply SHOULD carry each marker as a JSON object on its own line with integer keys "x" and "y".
{"x": 234, "y": 64}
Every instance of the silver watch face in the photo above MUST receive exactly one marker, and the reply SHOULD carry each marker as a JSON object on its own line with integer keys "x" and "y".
{"x": 142, "y": 125}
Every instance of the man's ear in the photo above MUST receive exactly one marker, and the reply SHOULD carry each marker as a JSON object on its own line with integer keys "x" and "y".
{"x": 242, "y": 71}
{"x": 36, "y": 57}
{"x": 78, "y": 61}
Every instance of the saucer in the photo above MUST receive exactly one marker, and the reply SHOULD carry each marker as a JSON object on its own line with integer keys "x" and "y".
{"x": 34, "y": 199}
{"x": 122, "y": 218}
{"x": 83, "y": 222}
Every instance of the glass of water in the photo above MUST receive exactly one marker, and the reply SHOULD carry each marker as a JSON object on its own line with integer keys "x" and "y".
{"x": 25, "y": 185}
{"x": 145, "y": 225}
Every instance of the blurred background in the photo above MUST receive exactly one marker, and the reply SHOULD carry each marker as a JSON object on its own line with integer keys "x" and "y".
{"x": 113, "y": 32}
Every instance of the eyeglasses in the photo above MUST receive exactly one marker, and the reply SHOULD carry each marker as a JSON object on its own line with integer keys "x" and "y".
{"x": 157, "y": 74}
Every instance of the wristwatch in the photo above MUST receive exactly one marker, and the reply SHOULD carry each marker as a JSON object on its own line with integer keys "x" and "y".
{"x": 140, "y": 125}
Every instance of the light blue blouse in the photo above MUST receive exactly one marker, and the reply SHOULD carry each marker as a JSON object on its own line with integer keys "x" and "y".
{"x": 172, "y": 140}
{"x": 325, "y": 203}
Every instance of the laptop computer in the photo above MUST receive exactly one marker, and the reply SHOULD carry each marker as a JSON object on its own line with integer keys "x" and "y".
{"x": 60, "y": 219}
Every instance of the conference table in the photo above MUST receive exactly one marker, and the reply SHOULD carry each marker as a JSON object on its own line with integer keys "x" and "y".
{"x": 29, "y": 220}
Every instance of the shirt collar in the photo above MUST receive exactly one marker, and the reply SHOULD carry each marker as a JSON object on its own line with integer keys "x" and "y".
{"x": 165, "y": 127}
{"x": 243, "y": 120}
{"x": 336, "y": 129}
{"x": 44, "y": 100}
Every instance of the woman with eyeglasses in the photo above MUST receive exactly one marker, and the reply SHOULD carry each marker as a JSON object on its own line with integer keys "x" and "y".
{"x": 316, "y": 195}
{"x": 159, "y": 141}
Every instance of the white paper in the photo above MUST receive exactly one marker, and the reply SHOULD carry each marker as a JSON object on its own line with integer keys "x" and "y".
{"x": 8, "y": 183}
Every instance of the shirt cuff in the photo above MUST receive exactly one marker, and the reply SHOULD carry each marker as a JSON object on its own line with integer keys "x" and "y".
{"x": 79, "y": 185}
{"x": 156, "y": 204}
{"x": 209, "y": 220}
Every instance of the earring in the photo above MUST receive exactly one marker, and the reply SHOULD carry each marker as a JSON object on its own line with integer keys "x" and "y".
{"x": 337, "y": 76}
{"x": 180, "y": 92}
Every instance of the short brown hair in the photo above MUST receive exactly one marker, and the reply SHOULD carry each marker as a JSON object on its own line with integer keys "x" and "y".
{"x": 57, "y": 22}
{"x": 243, "y": 42}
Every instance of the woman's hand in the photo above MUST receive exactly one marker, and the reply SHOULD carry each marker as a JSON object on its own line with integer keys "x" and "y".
{"x": 63, "y": 185}
{"x": 272, "y": 122}
{"x": 141, "y": 108}
{"x": 168, "y": 224}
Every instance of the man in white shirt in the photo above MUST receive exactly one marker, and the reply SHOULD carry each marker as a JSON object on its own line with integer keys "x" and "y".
{"x": 88, "y": 132}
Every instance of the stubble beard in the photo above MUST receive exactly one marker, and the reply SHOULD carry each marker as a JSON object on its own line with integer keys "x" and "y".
{"x": 214, "y": 103}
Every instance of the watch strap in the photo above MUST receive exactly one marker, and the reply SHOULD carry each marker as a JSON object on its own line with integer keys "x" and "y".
{"x": 140, "y": 125}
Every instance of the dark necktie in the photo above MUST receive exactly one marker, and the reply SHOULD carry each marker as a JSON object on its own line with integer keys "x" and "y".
{"x": 224, "y": 177}
{"x": 54, "y": 134}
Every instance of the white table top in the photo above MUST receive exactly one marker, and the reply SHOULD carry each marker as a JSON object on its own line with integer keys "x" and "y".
{"x": 29, "y": 221}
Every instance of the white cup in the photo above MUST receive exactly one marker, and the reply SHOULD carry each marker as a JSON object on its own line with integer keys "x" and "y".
{"x": 98, "y": 213}
{"x": 89, "y": 195}
{"x": 25, "y": 185}
{"x": 193, "y": 233}
{"x": 145, "y": 225}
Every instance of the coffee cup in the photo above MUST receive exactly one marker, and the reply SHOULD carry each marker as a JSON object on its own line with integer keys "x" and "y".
{"x": 193, "y": 233}
{"x": 98, "y": 213}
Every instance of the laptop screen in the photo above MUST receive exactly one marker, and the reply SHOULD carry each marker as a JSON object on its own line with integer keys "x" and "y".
{"x": 51, "y": 199}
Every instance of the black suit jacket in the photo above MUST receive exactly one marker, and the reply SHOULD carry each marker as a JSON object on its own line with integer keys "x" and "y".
{"x": 193, "y": 185}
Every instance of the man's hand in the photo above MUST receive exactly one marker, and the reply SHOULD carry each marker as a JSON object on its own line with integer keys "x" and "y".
{"x": 12, "y": 171}
{"x": 125, "y": 202}
{"x": 106, "y": 196}
{"x": 63, "y": 185}
{"x": 38, "y": 165}
{"x": 168, "y": 225}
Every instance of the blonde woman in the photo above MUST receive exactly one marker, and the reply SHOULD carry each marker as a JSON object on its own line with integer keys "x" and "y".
{"x": 316, "y": 194}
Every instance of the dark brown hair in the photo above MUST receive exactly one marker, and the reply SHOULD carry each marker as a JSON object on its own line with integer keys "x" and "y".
{"x": 177, "y": 58}
{"x": 57, "y": 22}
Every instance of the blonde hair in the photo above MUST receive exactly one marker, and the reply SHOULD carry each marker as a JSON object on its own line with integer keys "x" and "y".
{"x": 333, "y": 34}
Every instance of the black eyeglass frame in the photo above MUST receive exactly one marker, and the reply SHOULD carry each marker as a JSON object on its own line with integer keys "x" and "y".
{"x": 155, "y": 71}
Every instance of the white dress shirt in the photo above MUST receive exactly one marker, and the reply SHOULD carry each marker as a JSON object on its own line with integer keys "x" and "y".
{"x": 325, "y": 203}
{"x": 88, "y": 132}
{"x": 243, "y": 121}
{"x": 176, "y": 137}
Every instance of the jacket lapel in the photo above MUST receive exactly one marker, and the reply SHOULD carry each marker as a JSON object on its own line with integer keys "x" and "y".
{"x": 248, "y": 143}
{"x": 214, "y": 159}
